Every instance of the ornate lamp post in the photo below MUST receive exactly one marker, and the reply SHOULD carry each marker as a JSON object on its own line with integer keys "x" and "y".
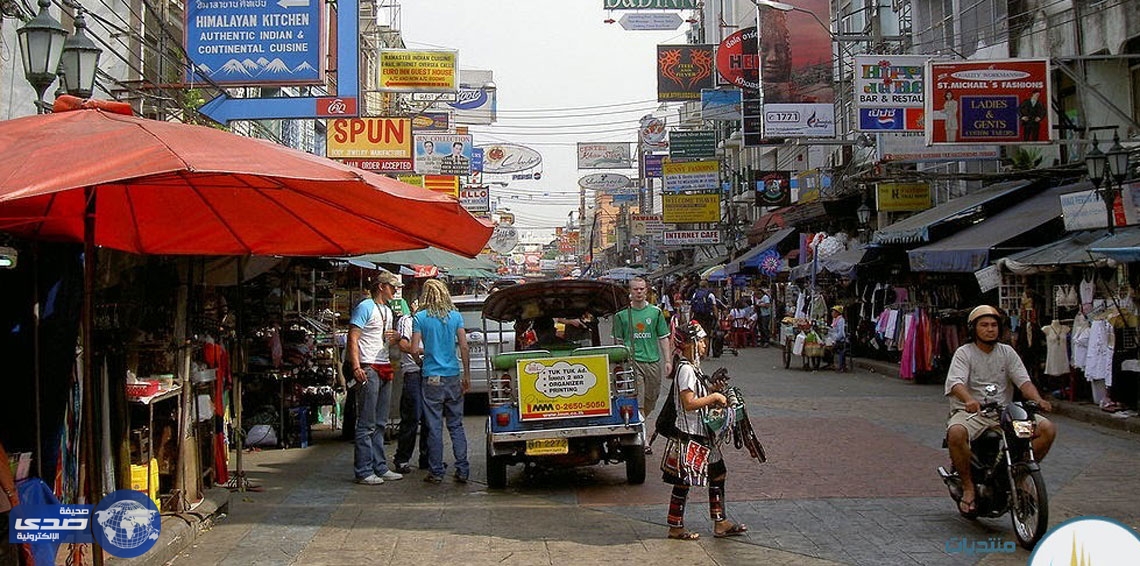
{"x": 1107, "y": 173}
{"x": 80, "y": 60}
{"x": 46, "y": 50}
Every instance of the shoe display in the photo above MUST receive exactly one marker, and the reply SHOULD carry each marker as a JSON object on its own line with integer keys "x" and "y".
{"x": 433, "y": 479}
{"x": 391, "y": 476}
{"x": 372, "y": 479}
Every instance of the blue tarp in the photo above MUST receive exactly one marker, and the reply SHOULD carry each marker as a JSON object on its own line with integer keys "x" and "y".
{"x": 751, "y": 258}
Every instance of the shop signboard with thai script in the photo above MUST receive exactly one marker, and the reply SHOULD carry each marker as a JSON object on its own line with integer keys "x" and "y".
{"x": 903, "y": 197}
{"x": 691, "y": 176}
{"x": 680, "y": 209}
{"x": 406, "y": 70}
{"x": 890, "y": 92}
{"x": 255, "y": 42}
{"x": 998, "y": 101}
{"x": 691, "y": 237}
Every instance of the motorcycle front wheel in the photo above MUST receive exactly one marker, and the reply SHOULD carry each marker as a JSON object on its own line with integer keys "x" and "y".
{"x": 1031, "y": 511}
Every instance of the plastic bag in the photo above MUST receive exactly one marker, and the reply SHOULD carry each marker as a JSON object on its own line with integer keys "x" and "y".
{"x": 261, "y": 435}
{"x": 798, "y": 346}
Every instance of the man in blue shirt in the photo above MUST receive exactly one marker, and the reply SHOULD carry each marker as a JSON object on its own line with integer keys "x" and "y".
{"x": 372, "y": 332}
{"x": 437, "y": 330}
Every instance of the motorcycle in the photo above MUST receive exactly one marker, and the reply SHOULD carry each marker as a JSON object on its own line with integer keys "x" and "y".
{"x": 1006, "y": 475}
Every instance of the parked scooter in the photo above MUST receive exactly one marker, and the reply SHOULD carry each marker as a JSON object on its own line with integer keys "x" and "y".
{"x": 1006, "y": 475}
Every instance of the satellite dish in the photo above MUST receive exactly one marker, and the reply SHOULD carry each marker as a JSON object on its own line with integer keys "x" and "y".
{"x": 504, "y": 238}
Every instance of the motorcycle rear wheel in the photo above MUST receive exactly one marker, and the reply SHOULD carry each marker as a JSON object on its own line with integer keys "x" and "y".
{"x": 1031, "y": 513}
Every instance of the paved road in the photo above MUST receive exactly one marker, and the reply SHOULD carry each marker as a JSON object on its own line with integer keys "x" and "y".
{"x": 850, "y": 479}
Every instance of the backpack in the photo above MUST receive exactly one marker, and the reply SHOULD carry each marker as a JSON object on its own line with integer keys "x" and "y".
{"x": 701, "y": 302}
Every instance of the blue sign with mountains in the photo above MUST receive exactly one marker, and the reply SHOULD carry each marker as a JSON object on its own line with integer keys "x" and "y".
{"x": 254, "y": 42}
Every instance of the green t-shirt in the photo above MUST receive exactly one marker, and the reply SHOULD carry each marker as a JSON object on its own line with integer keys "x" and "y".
{"x": 647, "y": 327}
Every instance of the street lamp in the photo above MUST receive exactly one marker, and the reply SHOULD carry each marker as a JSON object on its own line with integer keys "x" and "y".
{"x": 80, "y": 60}
{"x": 863, "y": 213}
{"x": 1108, "y": 170}
{"x": 41, "y": 46}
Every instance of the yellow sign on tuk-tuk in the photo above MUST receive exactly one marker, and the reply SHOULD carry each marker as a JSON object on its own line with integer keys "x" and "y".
{"x": 563, "y": 387}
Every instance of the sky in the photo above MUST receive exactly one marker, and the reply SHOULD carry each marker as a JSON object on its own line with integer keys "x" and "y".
{"x": 563, "y": 76}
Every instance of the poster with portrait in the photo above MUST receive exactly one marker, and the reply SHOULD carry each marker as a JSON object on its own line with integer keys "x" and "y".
{"x": 443, "y": 154}
{"x": 773, "y": 188}
{"x": 1004, "y": 101}
{"x": 797, "y": 72}
{"x": 683, "y": 70}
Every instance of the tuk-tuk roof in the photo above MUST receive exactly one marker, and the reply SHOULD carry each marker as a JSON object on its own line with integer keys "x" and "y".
{"x": 562, "y": 298}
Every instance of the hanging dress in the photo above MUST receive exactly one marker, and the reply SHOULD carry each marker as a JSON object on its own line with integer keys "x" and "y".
{"x": 1098, "y": 365}
{"x": 1056, "y": 352}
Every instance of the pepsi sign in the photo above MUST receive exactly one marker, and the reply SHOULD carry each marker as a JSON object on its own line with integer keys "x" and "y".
{"x": 879, "y": 119}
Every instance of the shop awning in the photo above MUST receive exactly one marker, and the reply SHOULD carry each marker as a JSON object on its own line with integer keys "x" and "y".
{"x": 969, "y": 250}
{"x": 917, "y": 228}
{"x": 752, "y": 256}
{"x": 1123, "y": 246}
{"x": 1070, "y": 250}
{"x": 667, "y": 271}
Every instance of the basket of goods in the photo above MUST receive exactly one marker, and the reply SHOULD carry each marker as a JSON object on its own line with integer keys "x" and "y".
{"x": 813, "y": 346}
{"x": 142, "y": 389}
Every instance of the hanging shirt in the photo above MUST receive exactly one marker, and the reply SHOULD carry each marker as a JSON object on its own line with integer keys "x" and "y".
{"x": 1056, "y": 351}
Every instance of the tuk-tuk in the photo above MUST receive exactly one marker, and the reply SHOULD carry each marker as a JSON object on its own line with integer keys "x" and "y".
{"x": 566, "y": 400}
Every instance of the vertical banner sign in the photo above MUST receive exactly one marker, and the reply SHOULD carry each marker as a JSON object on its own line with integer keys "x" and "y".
{"x": 1001, "y": 101}
{"x": 773, "y": 188}
{"x": 255, "y": 43}
{"x": 796, "y": 73}
{"x": 683, "y": 70}
{"x": 890, "y": 92}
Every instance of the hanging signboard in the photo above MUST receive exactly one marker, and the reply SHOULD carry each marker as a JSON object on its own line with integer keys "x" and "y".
{"x": 903, "y": 197}
{"x": 1000, "y": 101}
{"x": 912, "y": 148}
{"x": 255, "y": 43}
{"x": 375, "y": 144}
{"x": 503, "y": 158}
{"x": 1083, "y": 210}
{"x": 773, "y": 188}
{"x": 737, "y": 63}
{"x": 721, "y": 104}
{"x": 604, "y": 156}
{"x": 679, "y": 209}
{"x": 692, "y": 144}
{"x": 651, "y": 133}
{"x": 691, "y": 176}
{"x": 405, "y": 70}
{"x": 653, "y": 164}
{"x": 650, "y": 5}
{"x": 475, "y": 199}
{"x": 691, "y": 237}
{"x": 443, "y": 154}
{"x": 890, "y": 92}
{"x": 683, "y": 70}
{"x": 647, "y": 224}
{"x": 604, "y": 181}
{"x": 649, "y": 21}
{"x": 989, "y": 278}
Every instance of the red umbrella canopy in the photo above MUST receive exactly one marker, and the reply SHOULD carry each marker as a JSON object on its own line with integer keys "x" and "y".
{"x": 173, "y": 188}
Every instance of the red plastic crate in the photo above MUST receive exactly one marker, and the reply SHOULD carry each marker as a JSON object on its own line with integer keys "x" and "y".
{"x": 144, "y": 389}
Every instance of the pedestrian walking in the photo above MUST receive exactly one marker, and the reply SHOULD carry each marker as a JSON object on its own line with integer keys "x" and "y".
{"x": 370, "y": 334}
{"x": 643, "y": 328}
{"x": 692, "y": 457}
{"x": 437, "y": 331}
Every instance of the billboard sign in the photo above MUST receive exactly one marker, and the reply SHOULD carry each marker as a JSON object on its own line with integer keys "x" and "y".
{"x": 903, "y": 197}
{"x": 443, "y": 154}
{"x": 406, "y": 70}
{"x": 604, "y": 156}
{"x": 676, "y": 209}
{"x": 691, "y": 237}
{"x": 692, "y": 144}
{"x": 649, "y": 21}
{"x": 737, "y": 65}
{"x": 605, "y": 182}
{"x": 502, "y": 158}
{"x": 653, "y": 164}
{"x": 799, "y": 120}
{"x": 911, "y": 148}
{"x": 1000, "y": 101}
{"x": 475, "y": 199}
{"x": 691, "y": 176}
{"x": 426, "y": 122}
{"x": 683, "y": 70}
{"x": 373, "y": 144}
{"x": 255, "y": 43}
{"x": 773, "y": 188}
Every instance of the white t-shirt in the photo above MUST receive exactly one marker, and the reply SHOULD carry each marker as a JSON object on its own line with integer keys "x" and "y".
{"x": 373, "y": 320}
{"x": 689, "y": 421}
{"x": 975, "y": 369}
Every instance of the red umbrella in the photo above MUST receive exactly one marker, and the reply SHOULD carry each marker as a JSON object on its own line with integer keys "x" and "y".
{"x": 173, "y": 188}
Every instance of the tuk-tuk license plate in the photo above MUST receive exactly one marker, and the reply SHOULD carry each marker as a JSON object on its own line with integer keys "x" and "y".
{"x": 547, "y": 446}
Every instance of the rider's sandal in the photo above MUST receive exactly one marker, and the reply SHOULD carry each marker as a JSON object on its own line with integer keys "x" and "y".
{"x": 966, "y": 507}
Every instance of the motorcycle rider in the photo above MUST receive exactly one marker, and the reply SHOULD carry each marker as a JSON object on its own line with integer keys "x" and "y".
{"x": 980, "y": 362}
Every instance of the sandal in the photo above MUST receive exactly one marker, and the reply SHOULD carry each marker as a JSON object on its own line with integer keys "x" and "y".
{"x": 967, "y": 508}
{"x": 685, "y": 535}
{"x": 733, "y": 531}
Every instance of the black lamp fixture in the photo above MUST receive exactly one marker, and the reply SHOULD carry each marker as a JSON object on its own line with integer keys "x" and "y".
{"x": 863, "y": 213}
{"x": 41, "y": 46}
{"x": 80, "y": 60}
{"x": 1108, "y": 171}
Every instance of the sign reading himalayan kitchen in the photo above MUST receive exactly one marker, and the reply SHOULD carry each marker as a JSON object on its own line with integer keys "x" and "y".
{"x": 677, "y": 209}
{"x": 691, "y": 176}
{"x": 903, "y": 197}
{"x": 564, "y": 387}
{"x": 373, "y": 144}
{"x": 404, "y": 70}
{"x": 255, "y": 43}
{"x": 1000, "y": 101}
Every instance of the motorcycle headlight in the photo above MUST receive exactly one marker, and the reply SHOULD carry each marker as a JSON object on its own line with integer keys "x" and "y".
{"x": 1024, "y": 429}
